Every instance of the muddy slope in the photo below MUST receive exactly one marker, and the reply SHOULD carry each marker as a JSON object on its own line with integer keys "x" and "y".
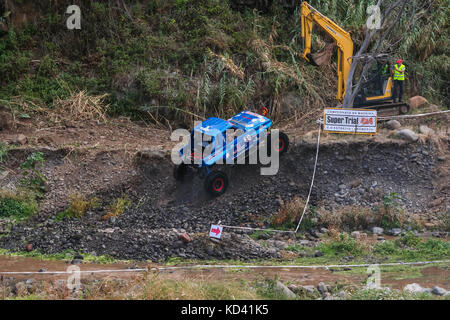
{"x": 348, "y": 173}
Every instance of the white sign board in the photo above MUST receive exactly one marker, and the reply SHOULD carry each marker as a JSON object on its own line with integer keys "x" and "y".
{"x": 215, "y": 231}
{"x": 361, "y": 121}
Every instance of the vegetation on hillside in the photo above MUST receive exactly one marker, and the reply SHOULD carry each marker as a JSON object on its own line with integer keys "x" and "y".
{"x": 188, "y": 59}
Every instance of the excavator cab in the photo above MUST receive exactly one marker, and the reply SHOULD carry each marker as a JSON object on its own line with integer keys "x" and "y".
{"x": 376, "y": 91}
{"x": 377, "y": 86}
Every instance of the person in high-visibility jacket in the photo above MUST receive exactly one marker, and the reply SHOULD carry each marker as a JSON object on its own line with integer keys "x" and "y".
{"x": 399, "y": 78}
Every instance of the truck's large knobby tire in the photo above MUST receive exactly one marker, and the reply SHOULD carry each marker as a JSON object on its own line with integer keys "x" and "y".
{"x": 179, "y": 171}
{"x": 280, "y": 146}
{"x": 216, "y": 183}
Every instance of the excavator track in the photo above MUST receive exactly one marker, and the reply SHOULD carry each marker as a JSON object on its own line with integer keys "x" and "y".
{"x": 400, "y": 107}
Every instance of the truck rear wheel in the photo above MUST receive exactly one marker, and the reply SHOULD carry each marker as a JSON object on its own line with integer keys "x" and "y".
{"x": 216, "y": 183}
{"x": 280, "y": 146}
{"x": 179, "y": 171}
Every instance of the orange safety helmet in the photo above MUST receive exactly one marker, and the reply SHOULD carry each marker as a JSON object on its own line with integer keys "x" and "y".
{"x": 399, "y": 61}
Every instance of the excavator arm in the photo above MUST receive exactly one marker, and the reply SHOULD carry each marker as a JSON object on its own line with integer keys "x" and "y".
{"x": 342, "y": 39}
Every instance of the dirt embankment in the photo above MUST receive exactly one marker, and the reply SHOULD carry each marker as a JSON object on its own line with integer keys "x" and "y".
{"x": 350, "y": 172}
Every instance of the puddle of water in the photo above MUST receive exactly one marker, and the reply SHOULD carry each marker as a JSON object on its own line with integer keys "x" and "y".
{"x": 430, "y": 276}
{"x": 26, "y": 264}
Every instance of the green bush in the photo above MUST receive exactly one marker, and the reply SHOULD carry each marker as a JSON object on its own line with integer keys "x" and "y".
{"x": 17, "y": 207}
{"x": 375, "y": 294}
{"x": 151, "y": 82}
{"x": 14, "y": 60}
{"x": 47, "y": 67}
{"x": 33, "y": 178}
{"x": 306, "y": 225}
{"x": 409, "y": 240}
{"x": 4, "y": 149}
{"x": 268, "y": 290}
{"x": 392, "y": 214}
{"x": 435, "y": 246}
{"x": 385, "y": 248}
{"x": 411, "y": 247}
{"x": 343, "y": 245}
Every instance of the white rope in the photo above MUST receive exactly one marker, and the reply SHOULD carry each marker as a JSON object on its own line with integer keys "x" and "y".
{"x": 413, "y": 115}
{"x": 314, "y": 173}
{"x": 226, "y": 266}
{"x": 261, "y": 229}
{"x": 70, "y": 272}
{"x": 302, "y": 266}
{"x": 313, "y": 176}
{"x": 307, "y": 200}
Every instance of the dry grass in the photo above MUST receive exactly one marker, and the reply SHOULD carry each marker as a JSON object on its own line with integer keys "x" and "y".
{"x": 289, "y": 213}
{"x": 7, "y": 193}
{"x": 229, "y": 65}
{"x": 156, "y": 288}
{"x": 439, "y": 141}
{"x": 79, "y": 106}
{"x": 23, "y": 104}
{"x": 264, "y": 49}
{"x": 150, "y": 286}
{"x": 79, "y": 205}
{"x": 313, "y": 98}
{"x": 117, "y": 207}
{"x": 82, "y": 106}
{"x": 352, "y": 218}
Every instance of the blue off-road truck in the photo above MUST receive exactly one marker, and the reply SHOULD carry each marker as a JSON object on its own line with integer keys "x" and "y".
{"x": 217, "y": 141}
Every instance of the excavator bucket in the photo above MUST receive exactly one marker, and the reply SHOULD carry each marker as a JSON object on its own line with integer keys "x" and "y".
{"x": 323, "y": 57}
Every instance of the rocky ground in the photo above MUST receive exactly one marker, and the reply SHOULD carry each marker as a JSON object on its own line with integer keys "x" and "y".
{"x": 356, "y": 171}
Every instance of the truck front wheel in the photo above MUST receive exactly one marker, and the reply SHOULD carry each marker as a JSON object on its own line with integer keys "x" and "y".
{"x": 216, "y": 183}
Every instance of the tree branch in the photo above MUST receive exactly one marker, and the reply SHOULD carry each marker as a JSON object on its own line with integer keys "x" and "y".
{"x": 405, "y": 9}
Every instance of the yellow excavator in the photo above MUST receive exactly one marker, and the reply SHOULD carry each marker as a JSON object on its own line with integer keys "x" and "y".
{"x": 376, "y": 90}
